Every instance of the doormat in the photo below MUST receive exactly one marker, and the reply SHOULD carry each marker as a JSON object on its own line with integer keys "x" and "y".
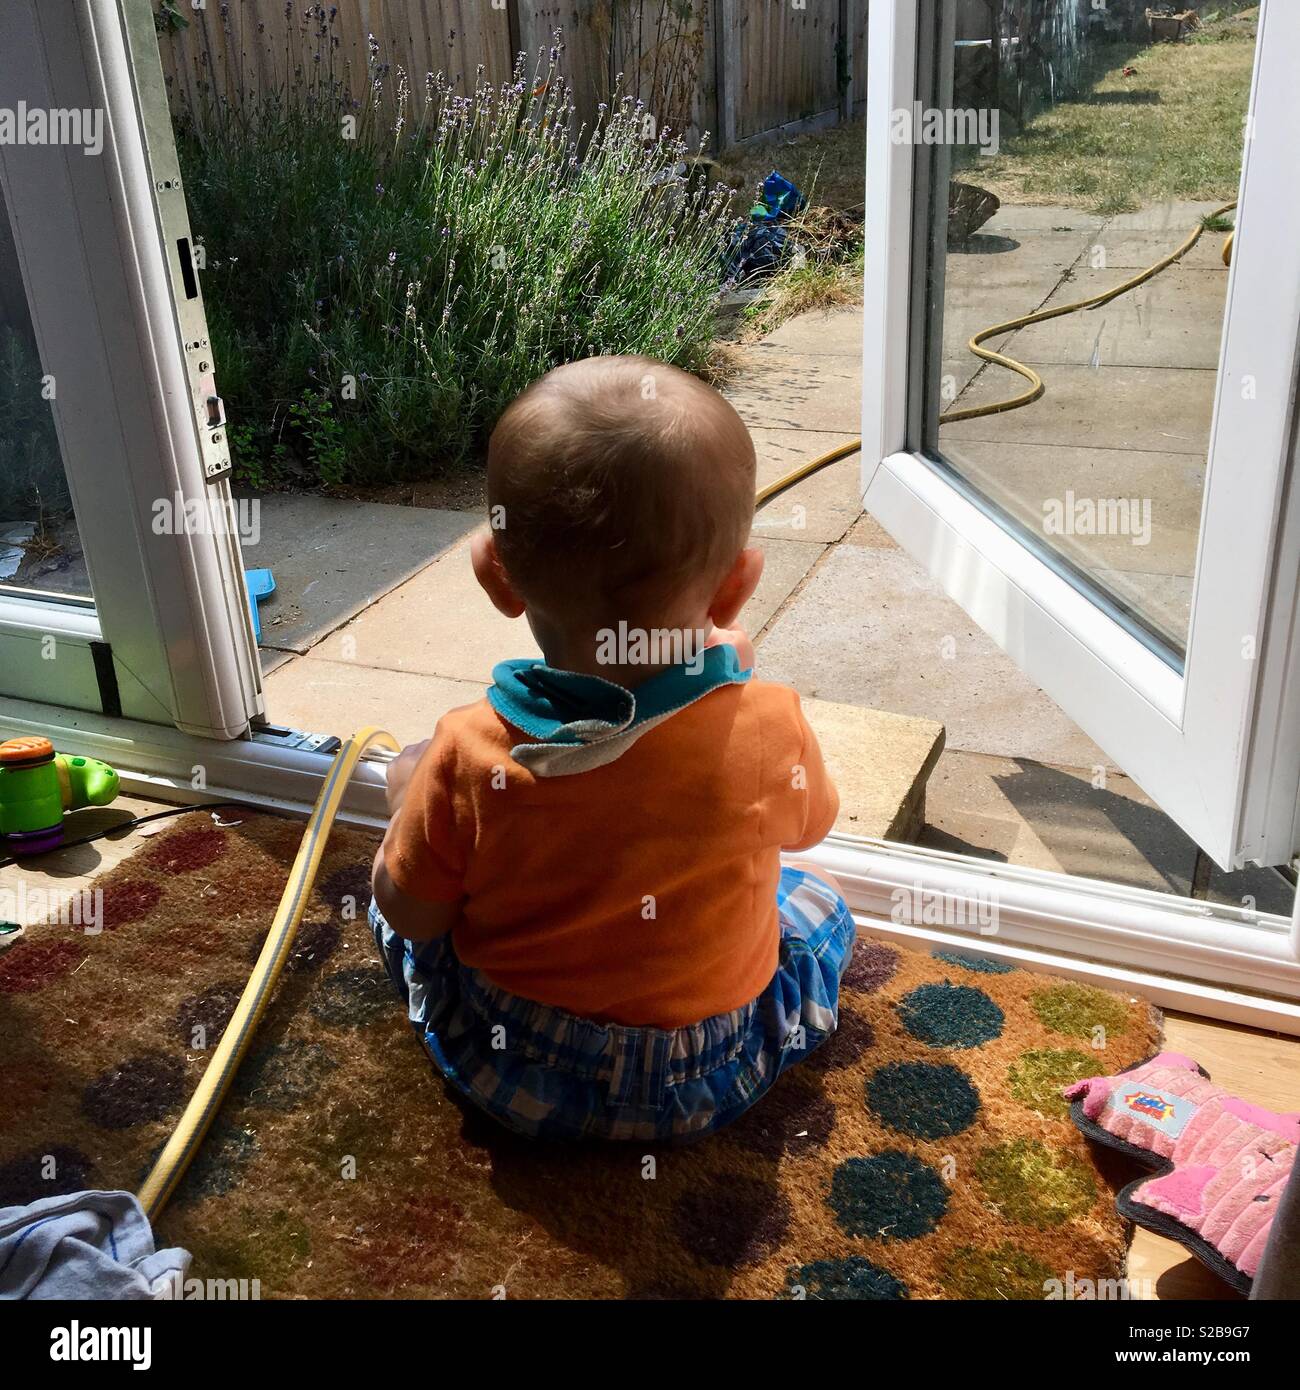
{"x": 923, "y": 1152}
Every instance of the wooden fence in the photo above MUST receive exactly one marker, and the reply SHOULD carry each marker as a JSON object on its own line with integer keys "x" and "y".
{"x": 744, "y": 70}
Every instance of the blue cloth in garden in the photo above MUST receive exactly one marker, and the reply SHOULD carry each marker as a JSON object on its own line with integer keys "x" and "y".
{"x": 758, "y": 246}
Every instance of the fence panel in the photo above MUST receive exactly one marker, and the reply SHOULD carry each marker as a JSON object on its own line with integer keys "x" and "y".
{"x": 787, "y": 64}
{"x": 780, "y": 65}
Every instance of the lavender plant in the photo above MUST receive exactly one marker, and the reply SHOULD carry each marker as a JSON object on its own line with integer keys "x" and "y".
{"x": 383, "y": 277}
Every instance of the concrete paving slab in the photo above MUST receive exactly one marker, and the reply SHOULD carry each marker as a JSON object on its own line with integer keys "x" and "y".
{"x": 879, "y": 763}
{"x": 1018, "y": 248}
{"x": 781, "y": 389}
{"x": 979, "y": 294}
{"x": 967, "y": 813}
{"x": 836, "y": 331}
{"x": 335, "y": 697}
{"x": 271, "y": 658}
{"x": 968, "y": 309}
{"x": 1117, "y": 250}
{"x": 870, "y": 628}
{"x": 1011, "y": 219}
{"x": 1176, "y": 217}
{"x": 1161, "y": 496}
{"x": 958, "y": 371}
{"x": 823, "y": 506}
{"x": 439, "y": 623}
{"x": 1055, "y": 818}
{"x": 1174, "y": 320}
{"x": 332, "y": 558}
{"x": 1147, "y": 408}
{"x": 785, "y": 563}
{"x": 869, "y": 532}
{"x": 1016, "y": 274}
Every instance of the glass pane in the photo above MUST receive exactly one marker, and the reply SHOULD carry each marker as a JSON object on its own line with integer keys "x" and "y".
{"x": 40, "y": 550}
{"x": 1081, "y": 147}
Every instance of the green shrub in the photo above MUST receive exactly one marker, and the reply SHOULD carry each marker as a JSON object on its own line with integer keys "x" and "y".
{"x": 377, "y": 295}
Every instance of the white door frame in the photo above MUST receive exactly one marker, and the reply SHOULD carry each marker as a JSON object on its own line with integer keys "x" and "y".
{"x": 168, "y": 638}
{"x": 1216, "y": 747}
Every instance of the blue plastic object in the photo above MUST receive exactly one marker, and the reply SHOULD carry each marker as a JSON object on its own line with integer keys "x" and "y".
{"x": 260, "y": 585}
{"x": 781, "y": 199}
{"x": 758, "y": 245}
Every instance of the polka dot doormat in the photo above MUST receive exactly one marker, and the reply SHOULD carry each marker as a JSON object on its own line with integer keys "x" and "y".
{"x": 923, "y": 1153}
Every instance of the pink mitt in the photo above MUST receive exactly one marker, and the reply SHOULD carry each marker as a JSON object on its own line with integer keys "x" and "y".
{"x": 1223, "y": 1162}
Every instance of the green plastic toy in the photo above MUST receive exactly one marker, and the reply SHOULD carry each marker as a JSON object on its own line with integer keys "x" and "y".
{"x": 37, "y": 785}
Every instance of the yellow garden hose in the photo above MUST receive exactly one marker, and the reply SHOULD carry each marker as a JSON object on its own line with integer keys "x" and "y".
{"x": 184, "y": 1143}
{"x": 1036, "y": 387}
{"x": 765, "y": 494}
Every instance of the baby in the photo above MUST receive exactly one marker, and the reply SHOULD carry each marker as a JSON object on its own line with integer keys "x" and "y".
{"x": 580, "y": 895}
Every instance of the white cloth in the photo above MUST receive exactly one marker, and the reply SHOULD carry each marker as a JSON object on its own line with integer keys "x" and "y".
{"x": 84, "y": 1245}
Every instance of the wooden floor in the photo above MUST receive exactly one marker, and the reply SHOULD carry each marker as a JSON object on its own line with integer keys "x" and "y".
{"x": 1260, "y": 1067}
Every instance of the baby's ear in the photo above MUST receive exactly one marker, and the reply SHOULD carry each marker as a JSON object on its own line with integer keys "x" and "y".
{"x": 491, "y": 574}
{"x": 737, "y": 587}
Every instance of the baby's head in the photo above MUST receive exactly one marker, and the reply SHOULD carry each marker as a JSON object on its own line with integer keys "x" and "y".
{"x": 620, "y": 490}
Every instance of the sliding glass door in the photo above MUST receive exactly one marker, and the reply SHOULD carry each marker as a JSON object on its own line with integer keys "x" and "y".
{"x": 1079, "y": 407}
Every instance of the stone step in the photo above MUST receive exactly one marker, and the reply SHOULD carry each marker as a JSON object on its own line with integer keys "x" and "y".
{"x": 880, "y": 762}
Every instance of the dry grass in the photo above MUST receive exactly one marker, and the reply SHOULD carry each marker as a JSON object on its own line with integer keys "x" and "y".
{"x": 829, "y": 278}
{"x": 1169, "y": 129}
{"x": 828, "y": 165}
{"x": 825, "y": 268}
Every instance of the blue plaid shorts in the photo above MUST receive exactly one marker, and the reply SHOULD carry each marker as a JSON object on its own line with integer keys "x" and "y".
{"x": 546, "y": 1073}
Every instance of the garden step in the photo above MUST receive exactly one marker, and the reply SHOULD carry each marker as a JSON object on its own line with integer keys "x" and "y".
{"x": 880, "y": 762}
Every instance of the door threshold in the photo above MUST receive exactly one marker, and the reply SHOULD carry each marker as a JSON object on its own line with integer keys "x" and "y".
{"x": 1223, "y": 962}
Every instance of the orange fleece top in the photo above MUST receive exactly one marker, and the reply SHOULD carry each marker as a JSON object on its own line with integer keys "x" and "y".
{"x": 642, "y": 892}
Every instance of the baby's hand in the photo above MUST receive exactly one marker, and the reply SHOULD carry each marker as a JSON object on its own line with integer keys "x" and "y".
{"x": 399, "y": 774}
{"x": 736, "y": 637}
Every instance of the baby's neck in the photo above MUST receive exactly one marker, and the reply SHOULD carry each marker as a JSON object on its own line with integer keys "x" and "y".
{"x": 627, "y": 656}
